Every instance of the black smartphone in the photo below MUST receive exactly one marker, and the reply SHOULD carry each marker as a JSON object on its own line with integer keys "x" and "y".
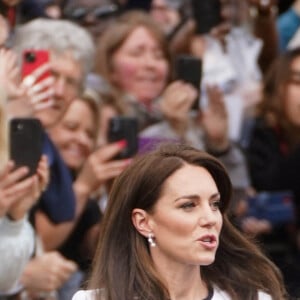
{"x": 138, "y": 4}
{"x": 26, "y": 142}
{"x": 207, "y": 14}
{"x": 188, "y": 68}
{"x": 124, "y": 128}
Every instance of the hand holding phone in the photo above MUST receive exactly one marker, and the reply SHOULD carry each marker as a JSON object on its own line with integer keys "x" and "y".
{"x": 37, "y": 79}
{"x": 26, "y": 140}
{"x": 124, "y": 128}
{"x": 188, "y": 68}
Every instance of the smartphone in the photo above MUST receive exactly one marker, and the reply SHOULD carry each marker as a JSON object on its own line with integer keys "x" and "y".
{"x": 188, "y": 68}
{"x": 26, "y": 142}
{"x": 124, "y": 128}
{"x": 138, "y": 4}
{"x": 33, "y": 59}
{"x": 207, "y": 14}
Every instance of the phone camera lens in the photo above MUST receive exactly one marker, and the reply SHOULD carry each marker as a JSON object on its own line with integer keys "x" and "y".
{"x": 30, "y": 57}
{"x": 20, "y": 126}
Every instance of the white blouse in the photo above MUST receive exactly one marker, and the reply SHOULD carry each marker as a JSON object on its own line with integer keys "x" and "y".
{"x": 218, "y": 295}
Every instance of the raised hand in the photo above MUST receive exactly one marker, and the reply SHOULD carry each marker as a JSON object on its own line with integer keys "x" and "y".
{"x": 176, "y": 103}
{"x": 9, "y": 73}
{"x": 29, "y": 198}
{"x": 214, "y": 120}
{"x": 101, "y": 167}
{"x": 17, "y": 195}
{"x": 47, "y": 272}
{"x": 33, "y": 94}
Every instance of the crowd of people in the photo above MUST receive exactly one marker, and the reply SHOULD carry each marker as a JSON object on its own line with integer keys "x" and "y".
{"x": 176, "y": 220}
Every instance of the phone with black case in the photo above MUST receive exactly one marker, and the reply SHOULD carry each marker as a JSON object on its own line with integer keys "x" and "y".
{"x": 137, "y": 5}
{"x": 26, "y": 142}
{"x": 188, "y": 68}
{"x": 207, "y": 14}
{"x": 124, "y": 128}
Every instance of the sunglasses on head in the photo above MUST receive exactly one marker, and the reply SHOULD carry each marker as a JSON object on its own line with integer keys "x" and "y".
{"x": 102, "y": 12}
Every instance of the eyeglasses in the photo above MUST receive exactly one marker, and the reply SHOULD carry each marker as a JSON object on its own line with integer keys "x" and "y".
{"x": 102, "y": 12}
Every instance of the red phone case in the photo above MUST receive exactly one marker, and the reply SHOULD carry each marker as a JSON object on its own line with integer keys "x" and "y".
{"x": 32, "y": 59}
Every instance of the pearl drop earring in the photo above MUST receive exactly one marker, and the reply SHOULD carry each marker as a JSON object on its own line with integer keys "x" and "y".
{"x": 150, "y": 240}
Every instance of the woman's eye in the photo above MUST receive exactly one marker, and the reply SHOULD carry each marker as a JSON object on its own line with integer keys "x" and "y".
{"x": 216, "y": 205}
{"x": 70, "y": 125}
{"x": 188, "y": 205}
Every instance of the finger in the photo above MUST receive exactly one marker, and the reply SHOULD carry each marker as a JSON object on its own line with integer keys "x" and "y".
{"x": 69, "y": 267}
{"x": 35, "y": 99}
{"x": 35, "y": 191}
{"x": 28, "y": 81}
{"x": 31, "y": 79}
{"x": 43, "y": 173}
{"x": 40, "y": 70}
{"x": 107, "y": 152}
{"x": 45, "y": 83}
{"x": 14, "y": 73}
{"x": 6, "y": 169}
{"x": 43, "y": 105}
{"x": 20, "y": 188}
{"x": 14, "y": 177}
{"x": 111, "y": 169}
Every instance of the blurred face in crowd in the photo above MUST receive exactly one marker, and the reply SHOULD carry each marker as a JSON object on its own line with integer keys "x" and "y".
{"x": 292, "y": 99}
{"x": 11, "y": 2}
{"x": 186, "y": 220}
{"x": 68, "y": 74}
{"x": 94, "y": 15}
{"x": 139, "y": 66}
{"x": 74, "y": 135}
{"x": 166, "y": 16}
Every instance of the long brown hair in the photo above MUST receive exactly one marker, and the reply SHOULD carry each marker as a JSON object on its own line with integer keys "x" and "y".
{"x": 272, "y": 107}
{"x": 123, "y": 265}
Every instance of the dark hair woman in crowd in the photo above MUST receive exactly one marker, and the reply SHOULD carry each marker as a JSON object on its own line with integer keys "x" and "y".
{"x": 274, "y": 153}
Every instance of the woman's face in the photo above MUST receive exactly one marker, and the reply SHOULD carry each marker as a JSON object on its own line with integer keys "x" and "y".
{"x": 186, "y": 221}
{"x": 74, "y": 135}
{"x": 140, "y": 67}
{"x": 11, "y": 2}
{"x": 292, "y": 103}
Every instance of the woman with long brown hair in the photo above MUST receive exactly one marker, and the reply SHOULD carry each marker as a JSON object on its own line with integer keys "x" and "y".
{"x": 166, "y": 235}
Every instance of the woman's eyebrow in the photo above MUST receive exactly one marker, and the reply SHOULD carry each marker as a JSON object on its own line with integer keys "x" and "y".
{"x": 197, "y": 197}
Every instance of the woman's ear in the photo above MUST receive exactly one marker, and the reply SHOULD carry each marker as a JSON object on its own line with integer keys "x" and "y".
{"x": 141, "y": 221}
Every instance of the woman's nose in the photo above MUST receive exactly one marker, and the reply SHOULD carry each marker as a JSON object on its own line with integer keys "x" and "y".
{"x": 207, "y": 216}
